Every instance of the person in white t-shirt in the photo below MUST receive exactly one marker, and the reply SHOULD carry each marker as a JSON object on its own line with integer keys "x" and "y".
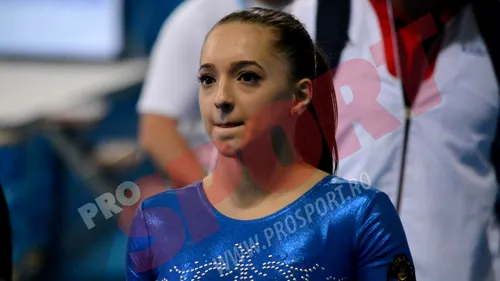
{"x": 171, "y": 131}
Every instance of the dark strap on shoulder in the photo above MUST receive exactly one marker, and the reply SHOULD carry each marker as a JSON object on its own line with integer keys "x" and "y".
{"x": 332, "y": 25}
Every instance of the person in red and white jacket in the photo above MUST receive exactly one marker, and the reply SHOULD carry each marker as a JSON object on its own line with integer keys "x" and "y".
{"x": 419, "y": 106}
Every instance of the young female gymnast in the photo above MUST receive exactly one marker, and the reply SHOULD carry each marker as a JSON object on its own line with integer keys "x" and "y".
{"x": 269, "y": 211}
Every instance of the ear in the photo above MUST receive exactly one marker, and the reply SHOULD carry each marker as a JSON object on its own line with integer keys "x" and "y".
{"x": 303, "y": 96}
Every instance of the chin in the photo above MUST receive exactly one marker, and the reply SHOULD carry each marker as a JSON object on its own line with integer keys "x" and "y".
{"x": 229, "y": 149}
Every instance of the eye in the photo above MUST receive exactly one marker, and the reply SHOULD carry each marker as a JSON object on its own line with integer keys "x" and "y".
{"x": 249, "y": 77}
{"x": 206, "y": 79}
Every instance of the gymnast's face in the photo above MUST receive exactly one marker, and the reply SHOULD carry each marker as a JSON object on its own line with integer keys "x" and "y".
{"x": 245, "y": 86}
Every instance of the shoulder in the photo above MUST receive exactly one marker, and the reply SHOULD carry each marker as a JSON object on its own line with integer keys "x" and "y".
{"x": 300, "y": 4}
{"x": 359, "y": 197}
{"x": 351, "y": 191}
{"x": 174, "y": 199}
{"x": 371, "y": 226}
{"x": 365, "y": 208}
{"x": 198, "y": 16}
{"x": 182, "y": 19}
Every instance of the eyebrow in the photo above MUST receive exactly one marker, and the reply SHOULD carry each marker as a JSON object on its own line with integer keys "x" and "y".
{"x": 235, "y": 66}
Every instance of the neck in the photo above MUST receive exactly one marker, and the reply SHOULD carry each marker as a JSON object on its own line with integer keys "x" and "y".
{"x": 253, "y": 177}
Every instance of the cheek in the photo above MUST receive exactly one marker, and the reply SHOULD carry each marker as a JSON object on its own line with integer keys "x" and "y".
{"x": 262, "y": 117}
{"x": 205, "y": 104}
{"x": 272, "y": 108}
{"x": 204, "y": 113}
{"x": 266, "y": 105}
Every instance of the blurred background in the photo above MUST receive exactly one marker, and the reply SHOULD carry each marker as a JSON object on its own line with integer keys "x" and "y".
{"x": 70, "y": 77}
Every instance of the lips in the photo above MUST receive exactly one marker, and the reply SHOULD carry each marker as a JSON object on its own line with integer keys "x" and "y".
{"x": 228, "y": 124}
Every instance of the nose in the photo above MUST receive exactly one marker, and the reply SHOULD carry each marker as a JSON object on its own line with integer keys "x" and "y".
{"x": 224, "y": 106}
{"x": 223, "y": 100}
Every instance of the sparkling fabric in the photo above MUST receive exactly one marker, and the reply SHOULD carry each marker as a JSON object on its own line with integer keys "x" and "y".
{"x": 338, "y": 230}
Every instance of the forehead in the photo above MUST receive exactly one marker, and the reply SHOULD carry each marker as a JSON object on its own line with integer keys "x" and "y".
{"x": 240, "y": 41}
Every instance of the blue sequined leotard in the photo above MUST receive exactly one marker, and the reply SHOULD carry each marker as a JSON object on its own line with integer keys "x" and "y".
{"x": 338, "y": 230}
